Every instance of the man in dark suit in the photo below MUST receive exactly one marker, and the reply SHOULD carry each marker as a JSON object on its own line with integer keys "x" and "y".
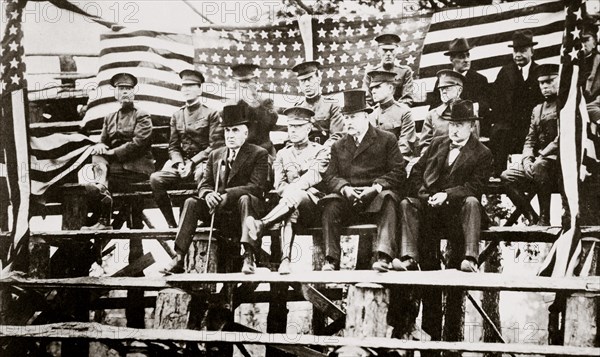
{"x": 123, "y": 154}
{"x": 241, "y": 170}
{"x": 195, "y": 131}
{"x": 445, "y": 186}
{"x": 475, "y": 86}
{"x": 515, "y": 93}
{"x": 365, "y": 175}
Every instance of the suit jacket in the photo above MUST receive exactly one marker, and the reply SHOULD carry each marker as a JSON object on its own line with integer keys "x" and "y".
{"x": 404, "y": 83}
{"x": 376, "y": 160}
{"x": 248, "y": 174}
{"x": 476, "y": 89}
{"x": 195, "y": 131}
{"x": 467, "y": 176}
{"x": 129, "y": 133}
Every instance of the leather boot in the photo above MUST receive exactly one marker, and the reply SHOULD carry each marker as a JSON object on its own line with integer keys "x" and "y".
{"x": 544, "y": 199}
{"x": 249, "y": 266}
{"x": 105, "y": 216}
{"x": 256, "y": 228}
{"x": 521, "y": 202}
{"x": 287, "y": 241}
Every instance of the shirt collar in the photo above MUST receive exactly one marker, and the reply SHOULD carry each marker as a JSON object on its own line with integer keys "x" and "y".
{"x": 525, "y": 70}
{"x": 362, "y": 136}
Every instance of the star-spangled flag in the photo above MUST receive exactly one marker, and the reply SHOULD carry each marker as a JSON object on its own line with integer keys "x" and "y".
{"x": 578, "y": 140}
{"x": 14, "y": 142}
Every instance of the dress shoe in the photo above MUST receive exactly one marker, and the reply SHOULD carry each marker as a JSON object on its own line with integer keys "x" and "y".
{"x": 405, "y": 264}
{"x": 285, "y": 266}
{"x": 469, "y": 266}
{"x": 249, "y": 266}
{"x": 101, "y": 225}
{"x": 176, "y": 266}
{"x": 382, "y": 265}
{"x": 255, "y": 227}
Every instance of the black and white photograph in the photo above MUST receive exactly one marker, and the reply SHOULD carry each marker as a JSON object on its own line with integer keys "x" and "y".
{"x": 319, "y": 178}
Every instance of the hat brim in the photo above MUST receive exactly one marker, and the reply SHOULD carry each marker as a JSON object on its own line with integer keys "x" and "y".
{"x": 367, "y": 110}
{"x": 245, "y": 121}
{"x": 244, "y": 78}
{"x": 305, "y": 75}
{"x": 464, "y": 119}
{"x": 297, "y": 121}
{"x": 533, "y": 43}
{"x": 191, "y": 82}
{"x": 450, "y": 53}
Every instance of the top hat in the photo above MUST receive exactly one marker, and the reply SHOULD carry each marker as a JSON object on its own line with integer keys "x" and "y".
{"x": 448, "y": 77}
{"x": 522, "y": 38}
{"x": 190, "y": 76}
{"x": 244, "y": 72}
{"x": 458, "y": 45}
{"x": 378, "y": 77}
{"x": 233, "y": 115}
{"x": 462, "y": 110}
{"x": 306, "y": 69}
{"x": 123, "y": 79}
{"x": 548, "y": 69}
{"x": 388, "y": 40}
{"x": 298, "y": 115}
{"x": 355, "y": 100}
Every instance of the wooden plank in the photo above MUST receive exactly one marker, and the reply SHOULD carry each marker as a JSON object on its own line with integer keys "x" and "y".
{"x": 95, "y": 331}
{"x": 442, "y": 278}
{"x": 294, "y": 350}
{"x": 320, "y": 301}
{"x": 136, "y": 268}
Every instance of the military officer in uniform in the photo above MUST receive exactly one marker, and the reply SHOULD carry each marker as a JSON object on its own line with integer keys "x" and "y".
{"x": 328, "y": 124}
{"x": 298, "y": 169}
{"x": 389, "y": 115}
{"x": 260, "y": 113}
{"x": 123, "y": 154}
{"x": 387, "y": 51}
{"x": 241, "y": 170}
{"x": 539, "y": 167}
{"x": 365, "y": 176}
{"x": 195, "y": 132}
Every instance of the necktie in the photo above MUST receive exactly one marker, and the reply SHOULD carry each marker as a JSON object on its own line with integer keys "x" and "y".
{"x": 231, "y": 159}
{"x": 356, "y": 141}
{"x": 455, "y": 146}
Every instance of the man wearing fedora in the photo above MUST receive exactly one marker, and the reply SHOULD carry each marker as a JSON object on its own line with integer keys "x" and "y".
{"x": 364, "y": 178}
{"x": 195, "y": 132}
{"x": 475, "y": 85}
{"x": 328, "y": 124}
{"x": 539, "y": 167}
{"x": 123, "y": 154}
{"x": 515, "y": 93}
{"x": 387, "y": 51}
{"x": 240, "y": 168}
{"x": 260, "y": 113}
{"x": 390, "y": 115}
{"x": 444, "y": 188}
{"x": 298, "y": 170}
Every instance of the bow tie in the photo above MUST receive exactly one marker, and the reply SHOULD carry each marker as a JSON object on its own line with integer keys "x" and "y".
{"x": 455, "y": 146}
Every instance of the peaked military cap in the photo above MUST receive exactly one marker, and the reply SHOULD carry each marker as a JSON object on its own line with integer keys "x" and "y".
{"x": 190, "y": 76}
{"x": 388, "y": 40}
{"x": 448, "y": 77}
{"x": 244, "y": 72}
{"x": 298, "y": 115}
{"x": 548, "y": 69}
{"x": 123, "y": 79}
{"x": 378, "y": 77}
{"x": 305, "y": 69}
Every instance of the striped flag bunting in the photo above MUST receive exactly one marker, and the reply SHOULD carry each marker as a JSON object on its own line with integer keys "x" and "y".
{"x": 576, "y": 144}
{"x": 14, "y": 141}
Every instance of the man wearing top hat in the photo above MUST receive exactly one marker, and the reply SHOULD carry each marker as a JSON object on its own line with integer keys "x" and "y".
{"x": 364, "y": 178}
{"x": 539, "y": 167}
{"x": 475, "y": 85}
{"x": 298, "y": 170}
{"x": 240, "y": 168}
{"x": 515, "y": 93}
{"x": 328, "y": 124}
{"x": 260, "y": 113}
{"x": 389, "y": 115}
{"x": 450, "y": 86}
{"x": 195, "y": 132}
{"x": 387, "y": 51}
{"x": 123, "y": 154}
{"x": 445, "y": 187}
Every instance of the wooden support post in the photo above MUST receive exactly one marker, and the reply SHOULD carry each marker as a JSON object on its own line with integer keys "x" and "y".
{"x": 319, "y": 320}
{"x": 198, "y": 256}
{"x": 135, "y": 313}
{"x": 454, "y": 299}
{"x": 39, "y": 258}
{"x": 172, "y": 309}
{"x": 277, "y": 316}
{"x": 74, "y": 209}
{"x": 366, "y": 315}
{"x": 491, "y": 300}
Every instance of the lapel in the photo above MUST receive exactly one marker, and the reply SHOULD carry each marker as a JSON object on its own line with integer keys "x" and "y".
{"x": 433, "y": 170}
{"x": 366, "y": 142}
{"x": 347, "y": 143}
{"x": 238, "y": 162}
{"x": 464, "y": 155}
{"x": 220, "y": 175}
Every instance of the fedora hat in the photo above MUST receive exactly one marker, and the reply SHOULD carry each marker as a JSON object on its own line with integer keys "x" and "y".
{"x": 355, "y": 100}
{"x": 522, "y": 38}
{"x": 462, "y": 110}
{"x": 458, "y": 45}
{"x": 233, "y": 115}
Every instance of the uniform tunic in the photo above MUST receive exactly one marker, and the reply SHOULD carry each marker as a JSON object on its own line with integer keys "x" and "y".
{"x": 404, "y": 83}
{"x": 328, "y": 119}
{"x": 396, "y": 118}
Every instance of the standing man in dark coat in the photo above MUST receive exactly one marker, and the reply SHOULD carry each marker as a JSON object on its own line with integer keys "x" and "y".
{"x": 195, "y": 131}
{"x": 241, "y": 170}
{"x": 328, "y": 124}
{"x": 445, "y": 186}
{"x": 515, "y": 93}
{"x": 123, "y": 154}
{"x": 260, "y": 113}
{"x": 475, "y": 86}
{"x": 365, "y": 175}
{"x": 387, "y": 51}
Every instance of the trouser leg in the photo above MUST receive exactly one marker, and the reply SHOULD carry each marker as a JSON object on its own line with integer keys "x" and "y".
{"x": 387, "y": 228}
{"x": 193, "y": 209}
{"x": 160, "y": 181}
{"x": 470, "y": 215}
{"x": 410, "y": 212}
{"x": 332, "y": 220}
{"x": 246, "y": 209}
